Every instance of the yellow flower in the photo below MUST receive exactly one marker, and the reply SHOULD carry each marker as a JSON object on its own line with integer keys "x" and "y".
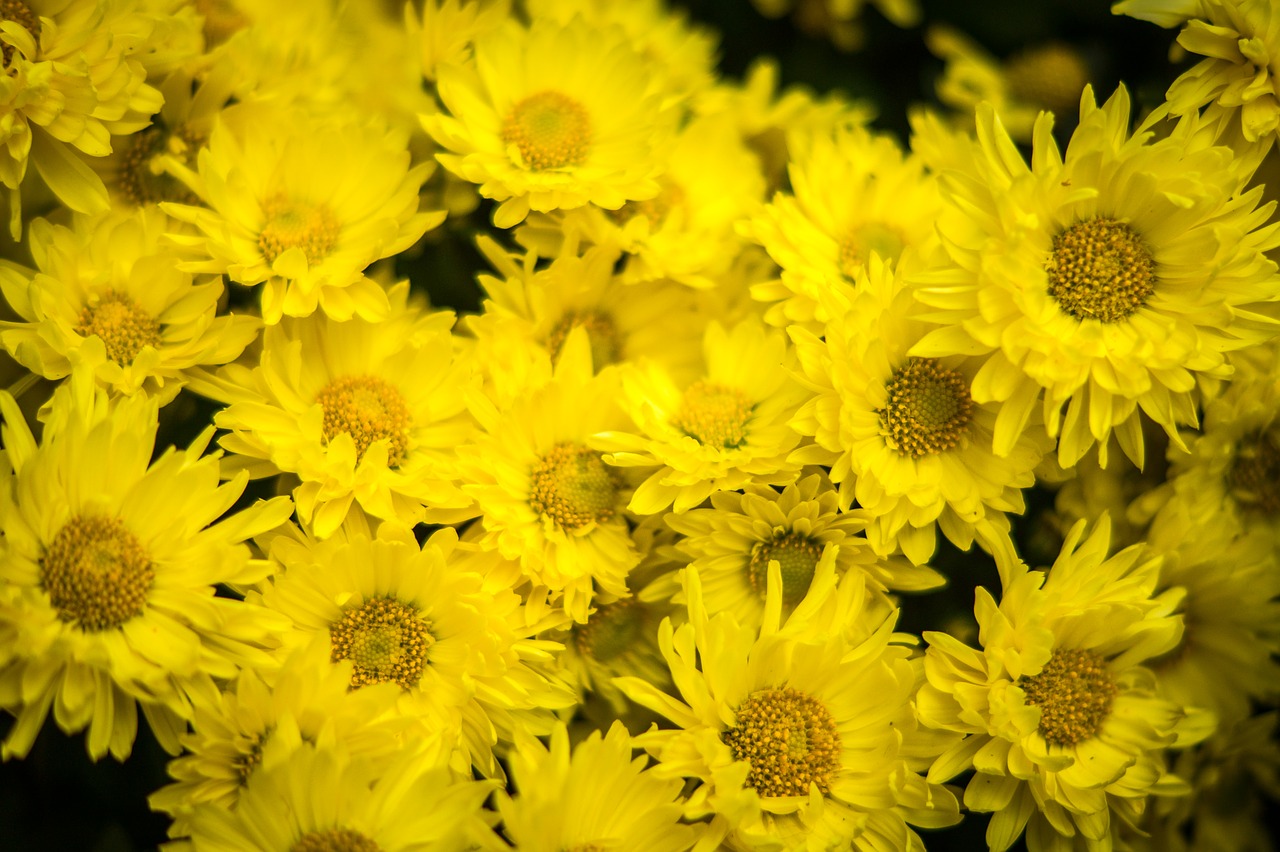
{"x": 596, "y": 796}
{"x": 717, "y": 433}
{"x": 1065, "y": 727}
{"x": 1111, "y": 279}
{"x": 364, "y": 413}
{"x": 107, "y": 293}
{"x": 109, "y": 565}
{"x": 538, "y": 132}
{"x": 302, "y": 206}
{"x": 447, "y": 28}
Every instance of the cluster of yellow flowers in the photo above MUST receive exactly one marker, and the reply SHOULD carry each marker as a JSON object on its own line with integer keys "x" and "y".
{"x": 618, "y": 561}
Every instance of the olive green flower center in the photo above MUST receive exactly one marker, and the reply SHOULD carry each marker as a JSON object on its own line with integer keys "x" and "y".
{"x": 714, "y": 415}
{"x": 386, "y": 640}
{"x": 573, "y": 487}
{"x": 610, "y": 630}
{"x": 602, "y": 333}
{"x": 1099, "y": 269}
{"x": 96, "y": 573}
{"x": 928, "y": 409}
{"x": 797, "y": 556}
{"x": 1254, "y": 478}
{"x": 368, "y": 409}
{"x": 335, "y": 840}
{"x": 125, "y": 328}
{"x": 292, "y": 224}
{"x": 1074, "y": 692}
{"x": 1049, "y": 75}
{"x": 549, "y": 129}
{"x": 790, "y": 740}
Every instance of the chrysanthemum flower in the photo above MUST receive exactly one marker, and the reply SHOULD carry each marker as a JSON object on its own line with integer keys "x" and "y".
{"x": 302, "y": 206}
{"x": 1111, "y": 279}
{"x": 732, "y": 543}
{"x": 1065, "y": 727}
{"x": 801, "y": 734}
{"x": 107, "y": 293}
{"x": 364, "y": 413}
{"x": 717, "y": 433}
{"x": 595, "y": 797}
{"x": 108, "y": 569}
{"x": 904, "y": 435}
{"x": 459, "y": 649}
{"x": 553, "y": 117}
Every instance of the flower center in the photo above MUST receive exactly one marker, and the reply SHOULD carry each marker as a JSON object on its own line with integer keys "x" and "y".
{"x": 251, "y": 758}
{"x": 368, "y": 409}
{"x": 125, "y": 328}
{"x": 297, "y": 224}
{"x": 789, "y": 738}
{"x": 573, "y": 487}
{"x": 1100, "y": 270}
{"x": 141, "y": 185}
{"x": 1074, "y": 692}
{"x": 1254, "y": 478}
{"x": 96, "y": 573}
{"x": 21, "y": 14}
{"x": 549, "y": 129}
{"x": 797, "y": 556}
{"x": 386, "y": 639}
{"x": 335, "y": 840}
{"x": 611, "y": 629}
{"x": 1050, "y": 75}
{"x": 928, "y": 408}
{"x": 714, "y": 415}
{"x": 859, "y": 243}
{"x": 601, "y": 332}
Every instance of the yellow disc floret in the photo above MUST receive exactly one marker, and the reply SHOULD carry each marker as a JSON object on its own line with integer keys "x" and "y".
{"x": 789, "y": 738}
{"x": 335, "y": 840}
{"x": 573, "y": 487}
{"x": 386, "y": 639}
{"x": 551, "y": 131}
{"x": 368, "y": 409}
{"x": 1074, "y": 691}
{"x": 96, "y": 573}
{"x": 125, "y": 328}
{"x": 601, "y": 330}
{"x": 797, "y": 556}
{"x": 928, "y": 408}
{"x": 609, "y": 631}
{"x": 1099, "y": 269}
{"x": 292, "y": 224}
{"x": 1254, "y": 478}
{"x": 714, "y": 415}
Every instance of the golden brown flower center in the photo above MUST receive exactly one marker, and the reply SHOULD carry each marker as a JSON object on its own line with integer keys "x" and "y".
{"x": 138, "y": 183}
{"x": 1100, "y": 270}
{"x": 125, "y": 328}
{"x": 335, "y": 840}
{"x": 789, "y": 738}
{"x": 1074, "y": 691}
{"x": 1254, "y": 478}
{"x": 714, "y": 415}
{"x": 549, "y": 129}
{"x": 797, "y": 556}
{"x": 601, "y": 332}
{"x": 96, "y": 573}
{"x": 928, "y": 408}
{"x": 573, "y": 487}
{"x": 292, "y": 224}
{"x": 610, "y": 630}
{"x": 251, "y": 759}
{"x": 21, "y": 14}
{"x": 368, "y": 409}
{"x": 859, "y": 243}
{"x": 386, "y": 639}
{"x": 1049, "y": 75}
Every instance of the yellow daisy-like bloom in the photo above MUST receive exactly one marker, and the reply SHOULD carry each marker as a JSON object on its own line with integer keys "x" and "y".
{"x": 855, "y": 196}
{"x": 302, "y": 206}
{"x": 108, "y": 566}
{"x": 364, "y": 413}
{"x": 107, "y": 293}
{"x": 732, "y": 544}
{"x": 1111, "y": 279}
{"x": 68, "y": 86}
{"x": 717, "y": 433}
{"x": 303, "y": 702}
{"x": 904, "y": 435}
{"x": 596, "y": 798}
{"x": 458, "y": 648}
{"x": 322, "y": 798}
{"x": 554, "y": 117}
{"x": 1065, "y": 727}
{"x": 548, "y": 498}
{"x": 801, "y": 734}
